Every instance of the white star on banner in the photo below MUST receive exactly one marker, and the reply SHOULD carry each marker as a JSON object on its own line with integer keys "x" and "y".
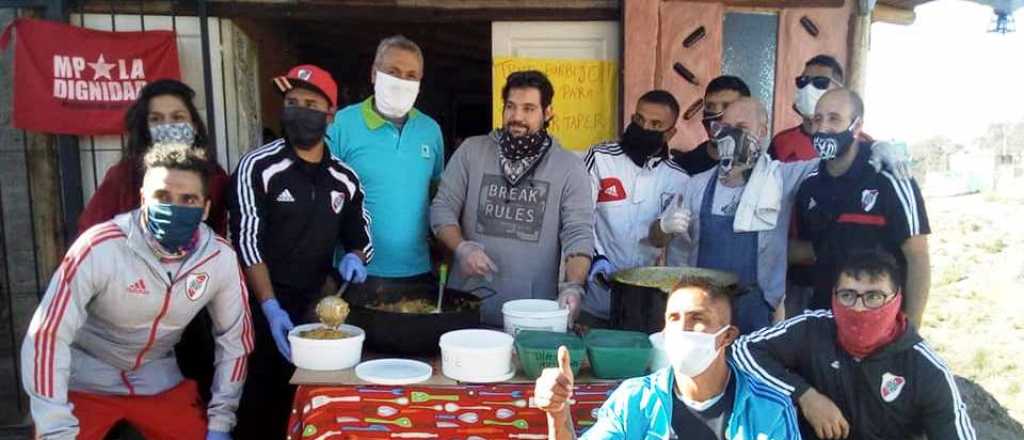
{"x": 101, "y": 68}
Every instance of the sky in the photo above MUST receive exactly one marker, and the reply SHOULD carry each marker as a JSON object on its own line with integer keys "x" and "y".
{"x": 944, "y": 75}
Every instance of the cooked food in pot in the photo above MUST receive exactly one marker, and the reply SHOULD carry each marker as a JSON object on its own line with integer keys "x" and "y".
{"x": 417, "y": 306}
{"x": 324, "y": 333}
{"x": 664, "y": 278}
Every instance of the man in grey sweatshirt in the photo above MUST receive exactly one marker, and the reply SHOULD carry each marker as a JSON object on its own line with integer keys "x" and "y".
{"x": 513, "y": 205}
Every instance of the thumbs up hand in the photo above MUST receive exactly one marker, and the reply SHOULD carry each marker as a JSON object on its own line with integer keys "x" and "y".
{"x": 676, "y": 218}
{"x": 553, "y": 388}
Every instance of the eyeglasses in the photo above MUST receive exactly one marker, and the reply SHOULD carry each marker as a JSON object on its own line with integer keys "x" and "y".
{"x": 819, "y": 82}
{"x": 871, "y": 299}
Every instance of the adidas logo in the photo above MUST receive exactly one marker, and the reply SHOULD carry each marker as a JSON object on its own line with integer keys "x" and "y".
{"x": 285, "y": 196}
{"x": 612, "y": 191}
{"x": 138, "y": 287}
{"x": 812, "y": 204}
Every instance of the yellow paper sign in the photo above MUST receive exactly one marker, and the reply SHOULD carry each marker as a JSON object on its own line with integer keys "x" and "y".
{"x": 586, "y": 99}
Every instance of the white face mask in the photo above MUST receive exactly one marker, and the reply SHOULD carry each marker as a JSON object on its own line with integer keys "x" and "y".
{"x": 690, "y": 353}
{"x": 392, "y": 96}
{"x": 806, "y": 98}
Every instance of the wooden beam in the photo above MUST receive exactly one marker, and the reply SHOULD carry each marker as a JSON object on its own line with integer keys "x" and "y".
{"x": 893, "y": 15}
{"x": 421, "y": 11}
{"x": 412, "y": 15}
{"x": 775, "y": 4}
{"x": 860, "y": 45}
{"x": 161, "y": 7}
{"x": 453, "y": 5}
{"x": 44, "y": 191}
{"x": 41, "y": 161}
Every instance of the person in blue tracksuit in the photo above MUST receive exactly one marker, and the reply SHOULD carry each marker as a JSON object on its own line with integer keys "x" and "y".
{"x": 701, "y": 395}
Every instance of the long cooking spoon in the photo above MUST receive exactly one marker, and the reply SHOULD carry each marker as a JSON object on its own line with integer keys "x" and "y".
{"x": 440, "y": 286}
{"x": 332, "y": 310}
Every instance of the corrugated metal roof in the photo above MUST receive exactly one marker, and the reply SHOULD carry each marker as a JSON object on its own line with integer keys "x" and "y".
{"x": 1004, "y": 5}
{"x": 905, "y": 4}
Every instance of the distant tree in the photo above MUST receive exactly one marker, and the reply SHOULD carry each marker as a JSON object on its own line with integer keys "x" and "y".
{"x": 1004, "y": 139}
{"x": 932, "y": 154}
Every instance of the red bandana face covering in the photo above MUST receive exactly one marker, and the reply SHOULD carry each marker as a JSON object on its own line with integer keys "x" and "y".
{"x": 862, "y": 333}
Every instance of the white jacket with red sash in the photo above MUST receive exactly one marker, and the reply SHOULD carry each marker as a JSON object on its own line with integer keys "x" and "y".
{"x": 112, "y": 314}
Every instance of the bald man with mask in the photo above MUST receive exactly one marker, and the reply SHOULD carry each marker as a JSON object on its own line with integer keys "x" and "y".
{"x": 849, "y": 205}
{"x": 741, "y": 211}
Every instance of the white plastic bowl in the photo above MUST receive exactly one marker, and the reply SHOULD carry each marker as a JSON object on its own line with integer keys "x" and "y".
{"x": 534, "y": 314}
{"x": 659, "y": 359}
{"x": 326, "y": 354}
{"x": 476, "y": 355}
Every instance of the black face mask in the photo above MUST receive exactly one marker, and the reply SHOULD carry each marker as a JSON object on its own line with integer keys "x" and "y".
{"x": 304, "y": 127}
{"x": 640, "y": 145}
{"x": 832, "y": 145}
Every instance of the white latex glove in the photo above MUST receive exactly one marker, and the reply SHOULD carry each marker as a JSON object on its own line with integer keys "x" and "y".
{"x": 473, "y": 261}
{"x": 893, "y": 156}
{"x": 676, "y": 218}
{"x": 570, "y": 296}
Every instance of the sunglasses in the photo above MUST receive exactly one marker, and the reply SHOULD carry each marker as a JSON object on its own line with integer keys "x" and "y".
{"x": 819, "y": 82}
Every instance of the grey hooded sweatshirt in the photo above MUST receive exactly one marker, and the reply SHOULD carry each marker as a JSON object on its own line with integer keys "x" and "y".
{"x": 526, "y": 229}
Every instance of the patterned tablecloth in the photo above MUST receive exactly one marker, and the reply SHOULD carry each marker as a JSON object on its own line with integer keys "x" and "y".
{"x": 461, "y": 411}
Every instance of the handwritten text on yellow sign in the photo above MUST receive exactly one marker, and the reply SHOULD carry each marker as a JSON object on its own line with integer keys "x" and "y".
{"x": 586, "y": 97}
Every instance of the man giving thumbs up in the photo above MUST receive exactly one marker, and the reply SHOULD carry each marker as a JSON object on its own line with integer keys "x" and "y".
{"x": 700, "y": 396}
{"x": 552, "y": 393}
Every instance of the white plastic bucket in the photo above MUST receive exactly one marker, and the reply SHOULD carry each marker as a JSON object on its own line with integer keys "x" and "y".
{"x": 476, "y": 355}
{"x": 534, "y": 314}
{"x": 326, "y": 354}
{"x": 659, "y": 359}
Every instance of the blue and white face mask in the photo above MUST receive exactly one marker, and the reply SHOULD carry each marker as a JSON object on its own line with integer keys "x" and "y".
{"x": 172, "y": 133}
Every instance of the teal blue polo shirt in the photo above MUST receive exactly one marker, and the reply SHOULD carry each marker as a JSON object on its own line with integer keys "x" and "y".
{"x": 396, "y": 169}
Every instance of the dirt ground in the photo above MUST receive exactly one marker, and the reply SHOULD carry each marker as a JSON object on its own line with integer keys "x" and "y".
{"x": 975, "y": 315}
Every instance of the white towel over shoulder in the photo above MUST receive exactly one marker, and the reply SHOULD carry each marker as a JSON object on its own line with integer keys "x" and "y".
{"x": 762, "y": 198}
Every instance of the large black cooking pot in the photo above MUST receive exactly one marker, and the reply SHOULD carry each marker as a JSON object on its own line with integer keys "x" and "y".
{"x": 411, "y": 333}
{"x": 639, "y": 294}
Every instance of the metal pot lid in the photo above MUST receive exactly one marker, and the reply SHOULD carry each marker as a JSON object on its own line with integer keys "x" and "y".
{"x": 663, "y": 278}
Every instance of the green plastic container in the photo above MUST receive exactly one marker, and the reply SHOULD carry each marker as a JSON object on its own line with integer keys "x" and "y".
{"x": 617, "y": 354}
{"x": 538, "y": 350}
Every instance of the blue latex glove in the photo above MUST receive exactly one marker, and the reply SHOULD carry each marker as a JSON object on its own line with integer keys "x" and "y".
{"x": 352, "y": 268}
{"x": 280, "y": 325}
{"x": 217, "y": 435}
{"x": 602, "y": 267}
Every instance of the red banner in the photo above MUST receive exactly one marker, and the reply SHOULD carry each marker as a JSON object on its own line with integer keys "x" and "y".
{"x": 71, "y": 80}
